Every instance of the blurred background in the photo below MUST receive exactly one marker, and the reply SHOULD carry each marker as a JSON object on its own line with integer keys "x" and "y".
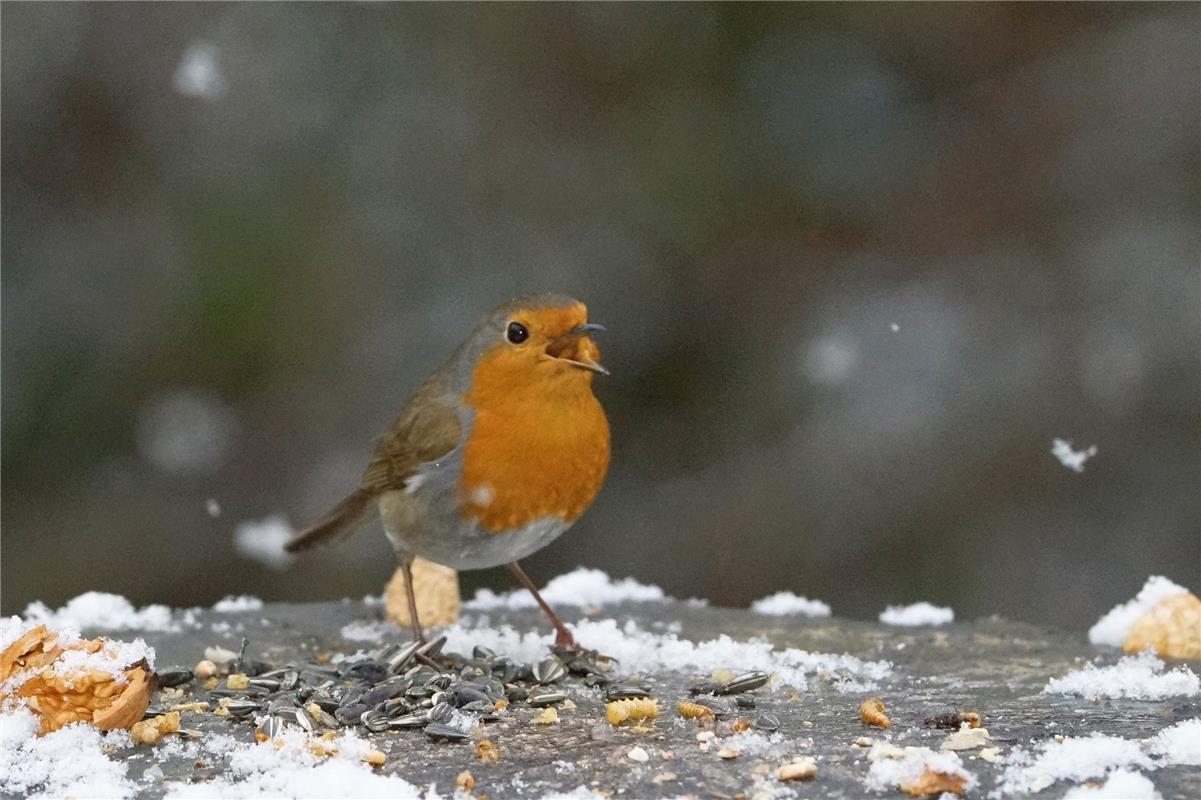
{"x": 860, "y": 265}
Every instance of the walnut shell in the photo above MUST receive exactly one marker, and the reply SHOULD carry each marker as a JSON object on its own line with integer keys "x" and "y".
{"x": 1172, "y": 628}
{"x": 436, "y": 588}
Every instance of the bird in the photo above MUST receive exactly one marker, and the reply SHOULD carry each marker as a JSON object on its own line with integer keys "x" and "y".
{"x": 495, "y": 456}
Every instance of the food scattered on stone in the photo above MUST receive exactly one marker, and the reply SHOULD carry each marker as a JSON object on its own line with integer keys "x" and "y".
{"x": 549, "y": 716}
{"x": 436, "y": 589}
{"x": 66, "y": 679}
{"x": 802, "y": 769}
{"x": 638, "y": 754}
{"x": 728, "y": 752}
{"x": 689, "y": 710}
{"x": 953, "y": 720}
{"x": 919, "y": 771}
{"x": 486, "y": 752}
{"x": 374, "y": 757}
{"x": 237, "y": 681}
{"x": 871, "y": 711}
{"x": 464, "y": 780}
{"x": 1172, "y": 628}
{"x": 150, "y": 730}
{"x": 739, "y": 725}
{"x": 633, "y": 709}
{"x": 967, "y": 738}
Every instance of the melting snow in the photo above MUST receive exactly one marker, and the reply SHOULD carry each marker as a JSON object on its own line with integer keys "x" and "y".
{"x": 1179, "y": 744}
{"x": 784, "y": 604}
{"x": 1139, "y": 677}
{"x": 580, "y": 587}
{"x": 886, "y": 774}
{"x": 230, "y": 604}
{"x": 100, "y": 611}
{"x": 1121, "y": 784}
{"x": 917, "y": 614}
{"x": 1074, "y": 759}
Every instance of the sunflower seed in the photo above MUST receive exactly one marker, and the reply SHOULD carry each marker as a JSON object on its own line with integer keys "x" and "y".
{"x": 375, "y": 721}
{"x": 545, "y": 697}
{"x": 442, "y": 712}
{"x": 409, "y": 721}
{"x": 767, "y": 722}
{"x": 745, "y": 682}
{"x": 174, "y": 677}
{"x": 549, "y": 671}
{"x": 625, "y": 691}
{"x": 465, "y": 693}
{"x": 401, "y": 658}
{"x": 482, "y": 653}
{"x": 349, "y": 715}
{"x": 438, "y": 731}
{"x": 305, "y": 720}
{"x": 271, "y": 727}
{"x": 241, "y": 708}
{"x": 745, "y": 701}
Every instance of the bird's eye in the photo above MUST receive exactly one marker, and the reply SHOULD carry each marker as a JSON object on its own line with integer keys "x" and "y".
{"x": 517, "y": 333}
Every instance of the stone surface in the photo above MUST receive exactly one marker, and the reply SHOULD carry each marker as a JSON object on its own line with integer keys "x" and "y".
{"x": 994, "y": 667}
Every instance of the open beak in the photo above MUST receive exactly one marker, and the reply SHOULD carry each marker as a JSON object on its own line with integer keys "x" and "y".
{"x": 569, "y": 343}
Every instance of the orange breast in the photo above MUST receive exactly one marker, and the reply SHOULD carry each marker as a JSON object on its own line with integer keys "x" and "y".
{"x": 533, "y": 452}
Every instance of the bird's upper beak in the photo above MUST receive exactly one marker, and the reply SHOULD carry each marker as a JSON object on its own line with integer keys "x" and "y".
{"x": 575, "y": 348}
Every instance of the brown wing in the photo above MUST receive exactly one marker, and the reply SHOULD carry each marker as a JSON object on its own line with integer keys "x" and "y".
{"x": 426, "y": 430}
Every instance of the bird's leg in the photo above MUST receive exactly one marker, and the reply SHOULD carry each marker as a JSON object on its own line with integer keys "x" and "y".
{"x": 406, "y": 564}
{"x": 563, "y": 637}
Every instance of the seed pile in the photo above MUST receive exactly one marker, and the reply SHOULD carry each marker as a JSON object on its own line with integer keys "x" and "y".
{"x": 409, "y": 686}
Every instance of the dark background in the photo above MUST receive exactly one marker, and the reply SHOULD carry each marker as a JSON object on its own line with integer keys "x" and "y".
{"x": 226, "y": 287}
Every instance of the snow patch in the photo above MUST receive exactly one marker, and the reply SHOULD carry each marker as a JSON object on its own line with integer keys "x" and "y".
{"x": 785, "y": 604}
{"x": 1075, "y": 759}
{"x": 1139, "y": 677}
{"x": 580, "y": 587}
{"x": 917, "y": 614}
{"x": 370, "y": 631}
{"x": 1113, "y": 628}
{"x": 199, "y": 74}
{"x": 1072, "y": 459}
{"x": 638, "y": 650}
{"x": 1121, "y": 784}
{"x": 100, "y": 611}
{"x": 263, "y": 541}
{"x": 69, "y": 762}
{"x": 1179, "y": 744}
{"x": 886, "y": 774}
{"x": 232, "y": 605}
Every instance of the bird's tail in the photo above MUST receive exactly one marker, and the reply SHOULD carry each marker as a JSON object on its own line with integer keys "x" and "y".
{"x": 340, "y": 521}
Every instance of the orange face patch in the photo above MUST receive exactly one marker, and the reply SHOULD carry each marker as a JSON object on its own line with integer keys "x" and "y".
{"x": 539, "y": 443}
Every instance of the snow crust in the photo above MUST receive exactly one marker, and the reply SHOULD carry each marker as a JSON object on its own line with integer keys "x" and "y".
{"x": 69, "y": 762}
{"x": 1179, "y": 744}
{"x": 785, "y": 604}
{"x": 886, "y": 774}
{"x": 263, "y": 541}
{"x": 639, "y": 650}
{"x": 1122, "y": 784}
{"x": 580, "y": 587}
{"x": 100, "y": 611}
{"x": 231, "y": 604}
{"x": 1139, "y": 677}
{"x": 1113, "y": 628}
{"x": 917, "y": 614}
{"x": 1074, "y": 759}
{"x": 1072, "y": 459}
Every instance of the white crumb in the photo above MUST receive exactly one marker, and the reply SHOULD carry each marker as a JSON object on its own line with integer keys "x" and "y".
{"x": 1113, "y": 628}
{"x": 212, "y": 507}
{"x": 917, "y": 614}
{"x": 1120, "y": 784}
{"x": 894, "y": 327}
{"x": 784, "y": 604}
{"x": 263, "y": 541}
{"x": 1074, "y": 759}
{"x": 100, "y": 611}
{"x": 231, "y": 604}
{"x": 1072, "y": 459}
{"x": 1139, "y": 677}
{"x": 580, "y": 587}
{"x": 1179, "y": 744}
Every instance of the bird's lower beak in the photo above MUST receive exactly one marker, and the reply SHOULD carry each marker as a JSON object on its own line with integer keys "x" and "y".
{"x": 577, "y": 349}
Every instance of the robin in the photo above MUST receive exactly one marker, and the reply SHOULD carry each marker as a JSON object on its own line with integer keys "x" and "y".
{"x": 495, "y": 456}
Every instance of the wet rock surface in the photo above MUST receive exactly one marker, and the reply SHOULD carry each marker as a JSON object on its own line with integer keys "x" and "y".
{"x": 993, "y": 667}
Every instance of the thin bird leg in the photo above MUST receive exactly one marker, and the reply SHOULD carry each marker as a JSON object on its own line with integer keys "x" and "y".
{"x": 406, "y": 564}
{"x": 563, "y": 637}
